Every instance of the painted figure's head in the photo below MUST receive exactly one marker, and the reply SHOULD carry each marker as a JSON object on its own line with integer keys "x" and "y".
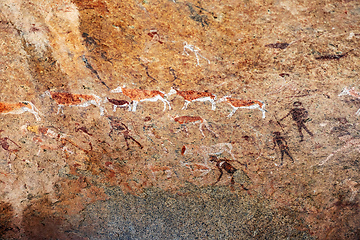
{"x": 213, "y": 158}
{"x": 297, "y": 104}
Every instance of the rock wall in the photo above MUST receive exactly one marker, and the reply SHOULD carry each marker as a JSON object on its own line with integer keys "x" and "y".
{"x": 179, "y": 119}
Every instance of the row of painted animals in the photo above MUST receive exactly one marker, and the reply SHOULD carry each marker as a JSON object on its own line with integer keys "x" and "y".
{"x": 136, "y": 96}
{"x": 63, "y": 99}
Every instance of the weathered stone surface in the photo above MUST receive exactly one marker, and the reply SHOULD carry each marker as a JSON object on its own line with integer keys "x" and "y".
{"x": 86, "y": 172}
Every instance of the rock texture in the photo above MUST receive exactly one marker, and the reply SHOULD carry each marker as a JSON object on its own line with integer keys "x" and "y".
{"x": 253, "y": 85}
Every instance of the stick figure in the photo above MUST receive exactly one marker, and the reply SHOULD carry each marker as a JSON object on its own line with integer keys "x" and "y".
{"x": 299, "y": 115}
{"x": 195, "y": 50}
{"x": 120, "y": 127}
{"x": 223, "y": 164}
{"x": 282, "y": 144}
{"x": 4, "y": 142}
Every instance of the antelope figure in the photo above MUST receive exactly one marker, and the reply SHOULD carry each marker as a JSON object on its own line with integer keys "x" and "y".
{"x": 19, "y": 108}
{"x": 79, "y": 100}
{"x": 138, "y": 95}
{"x": 194, "y": 120}
{"x": 194, "y": 96}
{"x": 351, "y": 92}
{"x": 248, "y": 104}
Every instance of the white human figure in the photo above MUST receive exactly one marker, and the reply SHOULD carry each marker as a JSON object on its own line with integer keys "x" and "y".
{"x": 195, "y": 50}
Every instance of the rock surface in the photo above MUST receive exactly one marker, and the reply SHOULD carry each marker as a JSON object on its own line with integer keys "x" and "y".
{"x": 72, "y": 168}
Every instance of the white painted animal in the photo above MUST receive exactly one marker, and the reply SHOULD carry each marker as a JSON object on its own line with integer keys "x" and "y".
{"x": 351, "y": 92}
{"x": 138, "y": 95}
{"x": 79, "y": 100}
{"x": 197, "y": 167}
{"x": 240, "y": 103}
{"x": 19, "y": 108}
{"x": 183, "y": 120}
{"x": 159, "y": 170}
{"x": 351, "y": 144}
{"x": 194, "y": 96}
{"x": 205, "y": 151}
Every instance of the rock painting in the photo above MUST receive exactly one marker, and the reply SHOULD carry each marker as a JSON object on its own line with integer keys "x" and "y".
{"x": 165, "y": 161}
{"x": 239, "y": 103}
{"x": 300, "y": 116}
{"x": 351, "y": 92}
{"x": 19, "y": 108}
{"x": 194, "y": 96}
{"x": 138, "y": 95}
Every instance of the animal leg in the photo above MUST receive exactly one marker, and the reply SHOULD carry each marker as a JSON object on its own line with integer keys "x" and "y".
{"x": 102, "y": 110}
{"x": 168, "y": 104}
{"x": 114, "y": 109}
{"x": 60, "y": 107}
{"x": 185, "y": 105}
{"x": 209, "y": 129}
{"x": 33, "y": 112}
{"x": 200, "y": 128}
{"x": 135, "y": 103}
{"x": 186, "y": 131}
{"x": 165, "y": 102}
{"x": 263, "y": 112}
{"x": 232, "y": 112}
{"x": 213, "y": 105}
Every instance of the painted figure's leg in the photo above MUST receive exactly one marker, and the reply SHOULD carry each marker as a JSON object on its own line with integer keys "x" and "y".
{"x": 287, "y": 153}
{"x": 185, "y": 105}
{"x": 135, "y": 103}
{"x": 299, "y": 125}
{"x": 221, "y": 173}
{"x": 232, "y": 112}
{"x": 213, "y": 105}
{"x": 306, "y": 129}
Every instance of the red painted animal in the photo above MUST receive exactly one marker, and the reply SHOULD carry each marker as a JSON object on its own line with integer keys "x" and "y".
{"x": 80, "y": 100}
{"x": 19, "y": 108}
{"x": 240, "y": 103}
{"x": 138, "y": 95}
{"x": 194, "y": 96}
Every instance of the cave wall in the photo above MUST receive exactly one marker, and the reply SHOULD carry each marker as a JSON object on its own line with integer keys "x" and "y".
{"x": 238, "y": 82}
